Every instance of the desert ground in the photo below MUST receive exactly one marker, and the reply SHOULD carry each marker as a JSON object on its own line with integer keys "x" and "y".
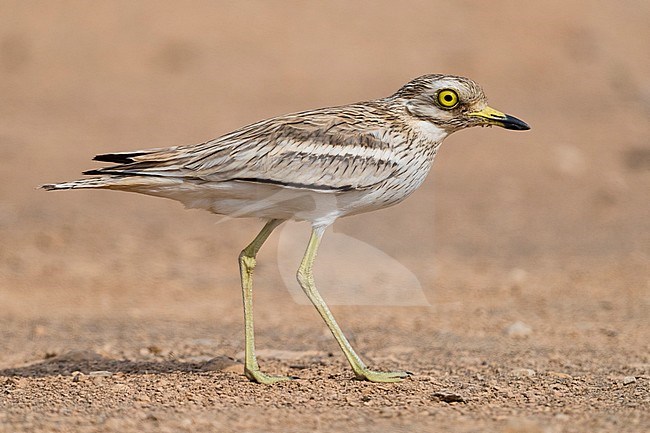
{"x": 514, "y": 285}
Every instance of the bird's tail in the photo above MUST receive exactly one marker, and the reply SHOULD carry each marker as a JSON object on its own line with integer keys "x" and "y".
{"x": 105, "y": 182}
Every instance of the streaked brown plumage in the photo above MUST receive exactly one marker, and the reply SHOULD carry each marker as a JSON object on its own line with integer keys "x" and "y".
{"x": 316, "y": 165}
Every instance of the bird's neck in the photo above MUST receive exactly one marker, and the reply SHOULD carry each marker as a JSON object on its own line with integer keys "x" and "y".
{"x": 429, "y": 132}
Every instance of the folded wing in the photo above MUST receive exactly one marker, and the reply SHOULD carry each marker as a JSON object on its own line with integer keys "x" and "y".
{"x": 322, "y": 150}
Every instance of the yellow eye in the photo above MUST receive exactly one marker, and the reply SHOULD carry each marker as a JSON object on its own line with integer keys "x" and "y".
{"x": 447, "y": 98}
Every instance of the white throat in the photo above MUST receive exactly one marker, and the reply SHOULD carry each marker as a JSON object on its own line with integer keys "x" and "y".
{"x": 430, "y": 131}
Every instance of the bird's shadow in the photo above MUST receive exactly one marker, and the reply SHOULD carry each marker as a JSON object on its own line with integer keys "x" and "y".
{"x": 86, "y": 363}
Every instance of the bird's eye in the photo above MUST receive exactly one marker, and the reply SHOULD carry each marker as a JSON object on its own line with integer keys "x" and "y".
{"x": 447, "y": 98}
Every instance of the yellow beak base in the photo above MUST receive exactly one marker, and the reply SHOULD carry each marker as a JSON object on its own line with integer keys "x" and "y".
{"x": 490, "y": 116}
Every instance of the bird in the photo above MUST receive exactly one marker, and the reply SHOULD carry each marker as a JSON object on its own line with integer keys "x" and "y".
{"x": 317, "y": 166}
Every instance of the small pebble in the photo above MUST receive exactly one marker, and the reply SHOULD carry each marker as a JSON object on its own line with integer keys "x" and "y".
{"x": 559, "y": 375}
{"x": 100, "y": 373}
{"x": 222, "y": 363}
{"x": 523, "y": 372}
{"x": 627, "y": 380}
{"x": 99, "y": 376}
{"x": 448, "y": 397}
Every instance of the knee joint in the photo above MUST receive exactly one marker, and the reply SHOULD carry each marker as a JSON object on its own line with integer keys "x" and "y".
{"x": 305, "y": 277}
{"x": 247, "y": 262}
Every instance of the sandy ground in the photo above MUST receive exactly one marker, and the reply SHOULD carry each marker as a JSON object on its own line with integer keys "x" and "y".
{"x": 514, "y": 285}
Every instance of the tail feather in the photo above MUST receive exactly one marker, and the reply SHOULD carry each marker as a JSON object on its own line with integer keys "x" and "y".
{"x": 110, "y": 182}
{"x": 129, "y": 173}
{"x": 119, "y": 157}
{"x": 96, "y": 182}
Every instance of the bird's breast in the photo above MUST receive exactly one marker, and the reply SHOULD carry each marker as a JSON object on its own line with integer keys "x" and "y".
{"x": 412, "y": 167}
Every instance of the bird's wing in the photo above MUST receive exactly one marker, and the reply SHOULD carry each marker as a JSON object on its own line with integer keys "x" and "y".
{"x": 330, "y": 149}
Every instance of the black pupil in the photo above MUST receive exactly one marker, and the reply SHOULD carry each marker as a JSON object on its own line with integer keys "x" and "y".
{"x": 448, "y": 98}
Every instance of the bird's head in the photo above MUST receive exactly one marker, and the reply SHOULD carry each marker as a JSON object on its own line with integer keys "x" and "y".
{"x": 452, "y": 103}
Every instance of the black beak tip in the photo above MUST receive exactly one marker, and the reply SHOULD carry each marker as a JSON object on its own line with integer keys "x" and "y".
{"x": 511, "y": 122}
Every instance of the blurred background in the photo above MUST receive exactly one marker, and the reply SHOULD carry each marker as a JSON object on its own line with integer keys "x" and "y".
{"x": 559, "y": 213}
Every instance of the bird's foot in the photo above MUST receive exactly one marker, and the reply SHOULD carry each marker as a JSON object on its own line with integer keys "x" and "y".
{"x": 255, "y": 375}
{"x": 381, "y": 376}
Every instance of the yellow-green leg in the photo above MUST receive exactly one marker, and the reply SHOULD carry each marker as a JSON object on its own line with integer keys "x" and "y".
{"x": 246, "y": 266}
{"x": 306, "y": 280}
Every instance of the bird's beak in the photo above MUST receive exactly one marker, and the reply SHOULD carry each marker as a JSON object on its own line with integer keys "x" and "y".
{"x": 490, "y": 116}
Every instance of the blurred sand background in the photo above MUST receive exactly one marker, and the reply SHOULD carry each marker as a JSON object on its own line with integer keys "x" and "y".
{"x": 550, "y": 227}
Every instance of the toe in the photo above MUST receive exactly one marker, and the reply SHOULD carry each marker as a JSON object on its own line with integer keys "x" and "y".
{"x": 263, "y": 378}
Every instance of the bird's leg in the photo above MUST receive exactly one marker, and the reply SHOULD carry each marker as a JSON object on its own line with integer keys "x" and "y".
{"x": 306, "y": 280}
{"x": 246, "y": 266}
